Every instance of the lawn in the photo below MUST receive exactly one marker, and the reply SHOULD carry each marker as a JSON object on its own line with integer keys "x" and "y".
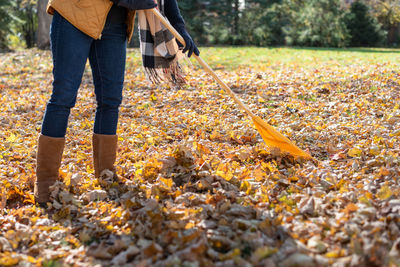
{"x": 200, "y": 186}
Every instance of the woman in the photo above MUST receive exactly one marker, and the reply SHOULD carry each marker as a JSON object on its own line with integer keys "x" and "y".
{"x": 97, "y": 30}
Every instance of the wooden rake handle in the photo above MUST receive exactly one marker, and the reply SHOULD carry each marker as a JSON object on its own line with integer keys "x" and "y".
{"x": 203, "y": 64}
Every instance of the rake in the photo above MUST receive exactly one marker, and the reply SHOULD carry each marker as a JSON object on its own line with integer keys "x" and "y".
{"x": 271, "y": 137}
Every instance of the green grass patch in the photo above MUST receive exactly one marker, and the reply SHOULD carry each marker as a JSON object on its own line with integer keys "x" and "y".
{"x": 233, "y": 57}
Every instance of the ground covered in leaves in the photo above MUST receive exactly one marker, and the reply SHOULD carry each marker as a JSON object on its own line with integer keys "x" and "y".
{"x": 199, "y": 187}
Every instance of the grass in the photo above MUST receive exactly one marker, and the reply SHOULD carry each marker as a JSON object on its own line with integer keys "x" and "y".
{"x": 232, "y": 57}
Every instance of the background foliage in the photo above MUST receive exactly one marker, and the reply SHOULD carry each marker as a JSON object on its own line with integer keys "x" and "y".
{"x": 326, "y": 23}
{"x": 363, "y": 27}
{"x": 18, "y": 23}
{"x": 316, "y": 23}
{"x": 321, "y": 23}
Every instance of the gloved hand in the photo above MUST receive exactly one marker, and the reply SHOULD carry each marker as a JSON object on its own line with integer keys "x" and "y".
{"x": 135, "y": 4}
{"x": 190, "y": 45}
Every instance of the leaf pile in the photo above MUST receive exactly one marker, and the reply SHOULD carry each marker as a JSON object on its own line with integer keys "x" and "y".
{"x": 197, "y": 185}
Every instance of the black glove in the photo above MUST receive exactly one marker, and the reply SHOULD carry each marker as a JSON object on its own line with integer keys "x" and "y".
{"x": 135, "y": 4}
{"x": 190, "y": 45}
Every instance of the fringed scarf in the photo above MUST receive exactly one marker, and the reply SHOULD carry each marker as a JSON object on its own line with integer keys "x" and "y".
{"x": 160, "y": 52}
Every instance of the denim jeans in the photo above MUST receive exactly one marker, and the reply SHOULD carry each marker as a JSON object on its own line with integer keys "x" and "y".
{"x": 71, "y": 48}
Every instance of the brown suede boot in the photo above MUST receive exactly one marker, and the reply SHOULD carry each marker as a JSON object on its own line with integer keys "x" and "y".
{"x": 104, "y": 153}
{"x": 48, "y": 158}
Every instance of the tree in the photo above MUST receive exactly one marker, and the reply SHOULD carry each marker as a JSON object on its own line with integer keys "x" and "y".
{"x": 213, "y": 21}
{"x": 196, "y": 16}
{"x": 44, "y": 20}
{"x": 315, "y": 23}
{"x": 264, "y": 23}
{"x": 224, "y": 21}
{"x": 5, "y": 19}
{"x": 388, "y": 14}
{"x": 25, "y": 20}
{"x": 364, "y": 29}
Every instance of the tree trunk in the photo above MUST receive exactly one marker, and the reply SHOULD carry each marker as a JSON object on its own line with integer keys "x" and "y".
{"x": 44, "y": 20}
{"x": 236, "y": 19}
{"x": 392, "y": 34}
{"x": 398, "y": 33}
{"x": 29, "y": 28}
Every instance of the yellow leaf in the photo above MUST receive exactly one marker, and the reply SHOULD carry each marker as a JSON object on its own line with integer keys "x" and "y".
{"x": 335, "y": 253}
{"x": 150, "y": 140}
{"x": 374, "y": 151}
{"x": 8, "y": 260}
{"x": 61, "y": 214}
{"x": 384, "y": 193}
{"x": 73, "y": 240}
{"x": 31, "y": 259}
{"x": 383, "y": 171}
{"x": 259, "y": 175}
{"x": 12, "y": 138}
{"x": 396, "y": 133}
{"x": 364, "y": 199}
{"x": 67, "y": 179}
{"x": 224, "y": 171}
{"x": 203, "y": 118}
{"x": 245, "y": 186}
{"x": 264, "y": 252}
{"x": 215, "y": 135}
{"x": 190, "y": 225}
{"x": 268, "y": 166}
{"x": 202, "y": 148}
{"x": 167, "y": 182}
{"x": 354, "y": 152}
{"x": 81, "y": 155}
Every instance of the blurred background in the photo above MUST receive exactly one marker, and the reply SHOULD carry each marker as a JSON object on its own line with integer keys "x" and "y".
{"x": 311, "y": 23}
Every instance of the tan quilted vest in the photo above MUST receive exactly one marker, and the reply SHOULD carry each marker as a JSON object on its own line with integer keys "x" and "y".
{"x": 89, "y": 16}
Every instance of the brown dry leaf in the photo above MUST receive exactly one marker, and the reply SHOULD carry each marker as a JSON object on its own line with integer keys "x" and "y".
{"x": 100, "y": 252}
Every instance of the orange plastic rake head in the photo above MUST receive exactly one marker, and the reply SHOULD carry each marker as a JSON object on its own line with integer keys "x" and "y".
{"x": 275, "y": 139}
{"x": 271, "y": 137}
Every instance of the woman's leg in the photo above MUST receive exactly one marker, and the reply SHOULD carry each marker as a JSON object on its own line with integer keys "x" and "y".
{"x": 70, "y": 48}
{"x": 107, "y": 60}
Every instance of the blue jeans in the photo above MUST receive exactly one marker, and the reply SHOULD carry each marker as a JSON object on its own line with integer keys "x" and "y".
{"x": 71, "y": 48}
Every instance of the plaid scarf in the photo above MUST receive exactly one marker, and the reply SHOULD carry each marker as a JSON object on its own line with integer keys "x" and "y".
{"x": 160, "y": 52}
